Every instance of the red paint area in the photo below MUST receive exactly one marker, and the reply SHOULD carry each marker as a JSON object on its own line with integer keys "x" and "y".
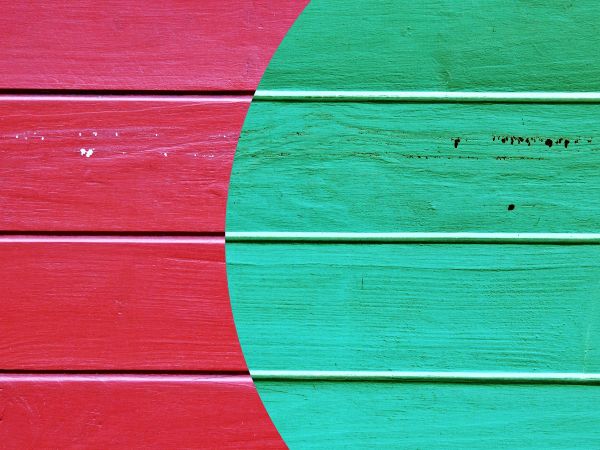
{"x": 189, "y": 45}
{"x": 109, "y": 191}
{"x": 116, "y": 304}
{"x": 142, "y": 411}
{"x": 155, "y": 165}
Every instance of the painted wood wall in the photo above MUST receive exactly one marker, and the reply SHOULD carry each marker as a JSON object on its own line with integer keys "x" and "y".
{"x": 118, "y": 124}
{"x": 422, "y": 341}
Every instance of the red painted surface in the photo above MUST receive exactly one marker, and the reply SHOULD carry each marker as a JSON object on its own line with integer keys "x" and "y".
{"x": 143, "y": 165}
{"x": 132, "y": 411}
{"x": 156, "y": 45}
{"x": 157, "y": 163}
{"x": 116, "y": 304}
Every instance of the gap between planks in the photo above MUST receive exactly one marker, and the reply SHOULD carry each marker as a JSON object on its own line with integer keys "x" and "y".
{"x": 111, "y": 239}
{"x": 415, "y": 237}
{"x": 128, "y": 96}
{"x": 159, "y": 378}
{"x": 427, "y": 96}
{"x": 428, "y": 376}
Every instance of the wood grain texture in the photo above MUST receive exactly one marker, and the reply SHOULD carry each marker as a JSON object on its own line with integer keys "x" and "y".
{"x": 417, "y": 307}
{"x": 397, "y": 167}
{"x": 119, "y": 44}
{"x": 441, "y": 45}
{"x": 117, "y": 164}
{"x": 434, "y": 416}
{"x": 125, "y": 411}
{"x": 116, "y": 304}
{"x": 511, "y": 313}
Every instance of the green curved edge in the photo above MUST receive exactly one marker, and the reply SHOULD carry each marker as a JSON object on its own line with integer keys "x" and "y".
{"x": 514, "y": 312}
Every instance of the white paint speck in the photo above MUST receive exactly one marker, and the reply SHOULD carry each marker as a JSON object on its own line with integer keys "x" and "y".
{"x": 82, "y": 151}
{"x": 17, "y": 136}
{"x": 87, "y": 153}
{"x": 94, "y": 133}
{"x": 42, "y": 138}
{"x": 156, "y": 134}
{"x": 79, "y": 134}
{"x": 116, "y": 134}
{"x": 164, "y": 154}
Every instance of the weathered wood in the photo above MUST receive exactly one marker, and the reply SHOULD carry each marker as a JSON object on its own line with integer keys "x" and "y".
{"x": 398, "y": 167}
{"x": 117, "y": 163}
{"x": 120, "y": 44}
{"x": 133, "y": 411}
{"x": 117, "y": 304}
{"x": 441, "y": 45}
{"x": 417, "y": 307}
{"x": 434, "y": 416}
{"x": 501, "y": 315}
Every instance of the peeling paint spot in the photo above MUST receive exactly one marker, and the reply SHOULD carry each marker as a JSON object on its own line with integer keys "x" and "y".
{"x": 87, "y": 153}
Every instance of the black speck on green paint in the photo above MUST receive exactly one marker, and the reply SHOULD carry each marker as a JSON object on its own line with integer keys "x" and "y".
{"x": 511, "y": 207}
{"x": 548, "y": 142}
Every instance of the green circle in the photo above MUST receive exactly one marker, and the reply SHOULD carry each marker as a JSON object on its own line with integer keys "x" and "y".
{"x": 405, "y": 194}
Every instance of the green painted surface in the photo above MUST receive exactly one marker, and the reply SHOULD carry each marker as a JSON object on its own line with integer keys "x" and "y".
{"x": 377, "y": 167}
{"x": 434, "y": 416}
{"x": 399, "y": 167}
{"x": 441, "y": 45}
{"x": 417, "y": 307}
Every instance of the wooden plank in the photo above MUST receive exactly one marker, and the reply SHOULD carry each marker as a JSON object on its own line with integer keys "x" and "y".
{"x": 402, "y": 167}
{"x": 441, "y": 45}
{"x": 434, "y": 416}
{"x": 116, "y": 304}
{"x": 522, "y": 308}
{"x": 120, "y": 44}
{"x": 136, "y": 163}
{"x": 126, "y": 411}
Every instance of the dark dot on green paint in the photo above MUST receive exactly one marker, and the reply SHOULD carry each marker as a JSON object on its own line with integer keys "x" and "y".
{"x": 567, "y": 143}
{"x": 511, "y": 207}
{"x": 548, "y": 142}
{"x": 456, "y": 142}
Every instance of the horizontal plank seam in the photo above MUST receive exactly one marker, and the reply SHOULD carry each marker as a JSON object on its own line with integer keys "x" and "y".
{"x": 212, "y": 98}
{"x": 415, "y": 237}
{"x": 125, "y": 377}
{"x": 428, "y": 376}
{"x": 77, "y": 93}
{"x": 426, "y": 96}
{"x": 111, "y": 239}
